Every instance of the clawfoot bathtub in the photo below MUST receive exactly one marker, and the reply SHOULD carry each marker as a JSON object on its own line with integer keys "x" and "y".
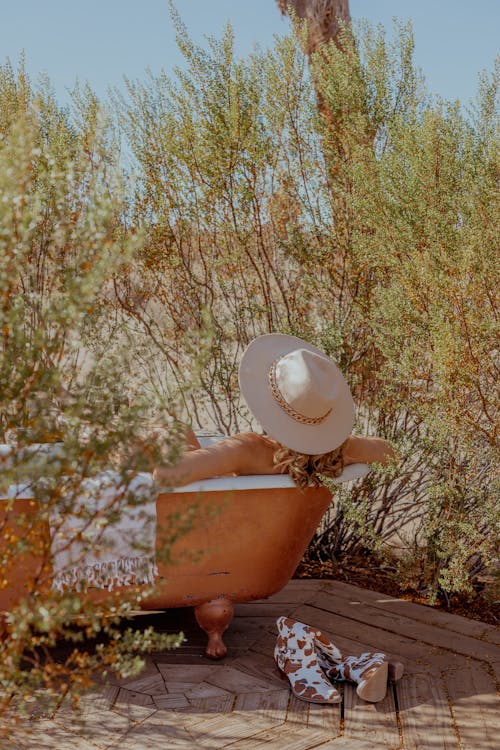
{"x": 247, "y": 537}
{"x": 250, "y": 547}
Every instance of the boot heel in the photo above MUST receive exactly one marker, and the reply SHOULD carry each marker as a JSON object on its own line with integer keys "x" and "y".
{"x": 396, "y": 670}
{"x": 369, "y": 671}
{"x": 374, "y": 687}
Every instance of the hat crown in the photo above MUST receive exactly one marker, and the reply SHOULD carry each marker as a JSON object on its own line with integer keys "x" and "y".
{"x": 307, "y": 382}
{"x": 297, "y": 393}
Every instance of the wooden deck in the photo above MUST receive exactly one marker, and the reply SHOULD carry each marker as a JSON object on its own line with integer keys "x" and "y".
{"x": 447, "y": 699}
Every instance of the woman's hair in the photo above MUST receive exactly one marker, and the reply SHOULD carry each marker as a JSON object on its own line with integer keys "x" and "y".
{"x": 305, "y": 469}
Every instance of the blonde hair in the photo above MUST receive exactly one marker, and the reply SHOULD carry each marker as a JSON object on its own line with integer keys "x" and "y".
{"x": 305, "y": 469}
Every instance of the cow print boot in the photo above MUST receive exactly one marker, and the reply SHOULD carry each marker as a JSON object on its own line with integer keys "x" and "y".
{"x": 296, "y": 659}
{"x": 370, "y": 672}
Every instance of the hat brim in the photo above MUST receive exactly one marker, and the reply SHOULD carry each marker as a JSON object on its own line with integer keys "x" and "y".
{"x": 254, "y": 384}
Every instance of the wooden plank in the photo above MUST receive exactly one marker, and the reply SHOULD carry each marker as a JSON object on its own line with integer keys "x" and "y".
{"x": 317, "y": 716}
{"x": 350, "y": 743}
{"x": 187, "y": 673}
{"x": 178, "y": 656}
{"x": 219, "y": 731}
{"x": 130, "y": 696}
{"x": 108, "y": 695}
{"x": 298, "y": 712}
{"x": 395, "y": 623}
{"x": 419, "y": 612}
{"x": 171, "y": 700}
{"x": 96, "y": 726}
{"x": 475, "y": 706}
{"x": 236, "y": 681}
{"x": 202, "y": 709}
{"x": 152, "y": 685}
{"x": 424, "y": 713}
{"x": 261, "y": 666}
{"x": 45, "y": 735}
{"x": 206, "y": 690}
{"x": 325, "y": 718}
{"x": 251, "y": 621}
{"x": 266, "y": 608}
{"x": 149, "y": 670}
{"x": 133, "y": 712}
{"x": 283, "y": 738}
{"x": 245, "y": 631}
{"x": 296, "y": 589}
{"x": 239, "y": 641}
{"x": 92, "y": 703}
{"x": 495, "y": 668}
{"x": 367, "y": 636}
{"x": 372, "y": 722}
{"x": 161, "y": 730}
{"x": 264, "y": 644}
{"x": 271, "y": 706}
{"x": 180, "y": 687}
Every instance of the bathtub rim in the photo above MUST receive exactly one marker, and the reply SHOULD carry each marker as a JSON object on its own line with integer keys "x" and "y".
{"x": 24, "y": 491}
{"x": 262, "y": 481}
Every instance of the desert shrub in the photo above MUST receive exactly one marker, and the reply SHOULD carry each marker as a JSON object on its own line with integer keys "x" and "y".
{"x": 420, "y": 197}
{"x": 211, "y": 194}
{"x": 367, "y": 226}
{"x": 66, "y": 377}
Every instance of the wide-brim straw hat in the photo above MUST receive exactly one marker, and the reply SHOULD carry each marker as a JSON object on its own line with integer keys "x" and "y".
{"x": 297, "y": 393}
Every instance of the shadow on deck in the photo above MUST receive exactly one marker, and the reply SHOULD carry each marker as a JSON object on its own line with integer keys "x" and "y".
{"x": 448, "y": 697}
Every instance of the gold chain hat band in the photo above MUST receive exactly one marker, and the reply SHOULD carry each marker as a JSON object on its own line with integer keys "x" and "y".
{"x": 278, "y": 396}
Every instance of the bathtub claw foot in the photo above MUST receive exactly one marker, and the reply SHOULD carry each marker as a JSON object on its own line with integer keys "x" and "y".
{"x": 214, "y": 617}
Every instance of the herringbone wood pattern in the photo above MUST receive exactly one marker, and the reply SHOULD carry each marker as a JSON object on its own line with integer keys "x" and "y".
{"x": 447, "y": 698}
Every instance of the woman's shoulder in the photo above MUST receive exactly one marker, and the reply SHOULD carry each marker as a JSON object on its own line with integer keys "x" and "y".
{"x": 254, "y": 452}
{"x": 252, "y": 438}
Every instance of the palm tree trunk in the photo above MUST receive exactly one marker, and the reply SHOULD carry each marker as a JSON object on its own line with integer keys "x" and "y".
{"x": 324, "y": 18}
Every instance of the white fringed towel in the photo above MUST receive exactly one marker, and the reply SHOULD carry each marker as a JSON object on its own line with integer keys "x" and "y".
{"x": 107, "y": 537}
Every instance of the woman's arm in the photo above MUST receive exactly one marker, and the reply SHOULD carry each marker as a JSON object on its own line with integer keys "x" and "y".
{"x": 191, "y": 441}
{"x": 367, "y": 450}
{"x": 245, "y": 453}
{"x": 249, "y": 453}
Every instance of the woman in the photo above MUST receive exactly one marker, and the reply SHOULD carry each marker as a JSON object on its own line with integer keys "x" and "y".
{"x": 304, "y": 404}
{"x": 305, "y": 407}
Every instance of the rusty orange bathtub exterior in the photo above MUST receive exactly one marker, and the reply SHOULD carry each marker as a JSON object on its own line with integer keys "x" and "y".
{"x": 238, "y": 545}
{"x": 27, "y": 570}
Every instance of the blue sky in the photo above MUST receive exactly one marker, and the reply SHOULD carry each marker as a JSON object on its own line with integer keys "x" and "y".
{"x": 101, "y": 40}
